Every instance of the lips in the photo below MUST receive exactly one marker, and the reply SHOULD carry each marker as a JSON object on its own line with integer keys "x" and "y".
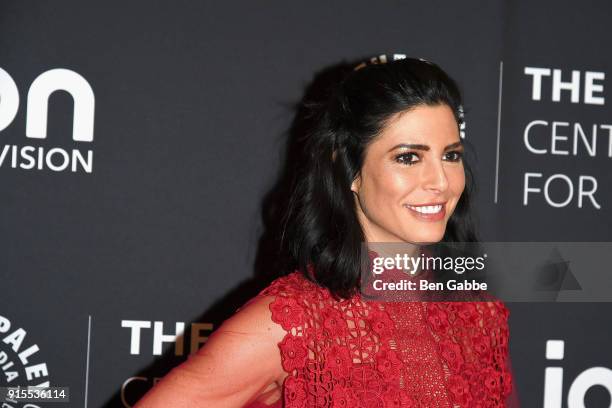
{"x": 428, "y": 212}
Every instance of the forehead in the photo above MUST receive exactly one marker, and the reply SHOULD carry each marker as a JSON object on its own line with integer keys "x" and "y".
{"x": 424, "y": 124}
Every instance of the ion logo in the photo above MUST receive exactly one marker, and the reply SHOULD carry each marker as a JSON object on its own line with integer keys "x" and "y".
{"x": 553, "y": 380}
{"x": 56, "y": 158}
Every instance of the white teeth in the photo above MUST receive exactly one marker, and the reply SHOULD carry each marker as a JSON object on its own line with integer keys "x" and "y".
{"x": 426, "y": 209}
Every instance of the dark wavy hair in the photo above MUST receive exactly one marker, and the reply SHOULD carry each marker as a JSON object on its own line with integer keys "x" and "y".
{"x": 321, "y": 234}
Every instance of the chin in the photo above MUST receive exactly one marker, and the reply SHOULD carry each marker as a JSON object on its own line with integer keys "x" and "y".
{"x": 430, "y": 238}
{"x": 426, "y": 241}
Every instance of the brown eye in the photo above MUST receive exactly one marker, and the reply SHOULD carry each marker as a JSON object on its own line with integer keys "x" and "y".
{"x": 454, "y": 156}
{"x": 407, "y": 158}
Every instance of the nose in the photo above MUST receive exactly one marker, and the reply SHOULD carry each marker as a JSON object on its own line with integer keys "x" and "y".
{"x": 434, "y": 177}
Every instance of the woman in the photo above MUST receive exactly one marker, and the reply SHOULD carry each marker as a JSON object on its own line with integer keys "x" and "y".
{"x": 383, "y": 164}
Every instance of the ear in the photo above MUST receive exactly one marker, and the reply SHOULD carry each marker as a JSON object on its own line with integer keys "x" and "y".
{"x": 356, "y": 185}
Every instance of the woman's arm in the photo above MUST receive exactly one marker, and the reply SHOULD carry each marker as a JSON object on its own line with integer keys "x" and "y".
{"x": 238, "y": 362}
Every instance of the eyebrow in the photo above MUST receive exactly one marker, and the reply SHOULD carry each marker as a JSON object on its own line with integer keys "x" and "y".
{"x": 424, "y": 147}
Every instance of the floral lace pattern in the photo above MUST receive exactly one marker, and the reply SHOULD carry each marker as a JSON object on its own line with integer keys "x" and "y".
{"x": 353, "y": 353}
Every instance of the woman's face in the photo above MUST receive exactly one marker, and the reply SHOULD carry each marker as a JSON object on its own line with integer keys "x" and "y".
{"x": 412, "y": 177}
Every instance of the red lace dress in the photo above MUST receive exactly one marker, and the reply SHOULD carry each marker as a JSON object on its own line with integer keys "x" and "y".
{"x": 356, "y": 353}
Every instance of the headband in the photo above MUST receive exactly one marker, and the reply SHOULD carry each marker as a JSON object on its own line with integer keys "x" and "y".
{"x": 383, "y": 59}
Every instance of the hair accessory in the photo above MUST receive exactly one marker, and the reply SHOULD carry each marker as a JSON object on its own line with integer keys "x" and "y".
{"x": 383, "y": 59}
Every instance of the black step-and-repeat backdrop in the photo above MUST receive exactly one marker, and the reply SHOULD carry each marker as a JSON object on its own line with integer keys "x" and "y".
{"x": 139, "y": 143}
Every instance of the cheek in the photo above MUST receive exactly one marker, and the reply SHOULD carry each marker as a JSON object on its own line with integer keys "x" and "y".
{"x": 391, "y": 183}
{"x": 456, "y": 181}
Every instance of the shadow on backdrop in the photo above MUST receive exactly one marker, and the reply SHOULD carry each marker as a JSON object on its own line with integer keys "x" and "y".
{"x": 269, "y": 262}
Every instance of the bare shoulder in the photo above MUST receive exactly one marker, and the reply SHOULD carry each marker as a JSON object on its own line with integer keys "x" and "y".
{"x": 239, "y": 363}
{"x": 255, "y": 318}
{"x": 257, "y": 329}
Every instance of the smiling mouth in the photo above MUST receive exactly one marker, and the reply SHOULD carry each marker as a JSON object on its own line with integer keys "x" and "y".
{"x": 426, "y": 209}
{"x": 430, "y": 212}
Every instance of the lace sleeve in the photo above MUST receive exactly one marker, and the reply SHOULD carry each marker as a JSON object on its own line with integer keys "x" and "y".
{"x": 289, "y": 309}
{"x": 503, "y": 334}
{"x": 498, "y": 315}
{"x": 512, "y": 400}
{"x": 296, "y": 309}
